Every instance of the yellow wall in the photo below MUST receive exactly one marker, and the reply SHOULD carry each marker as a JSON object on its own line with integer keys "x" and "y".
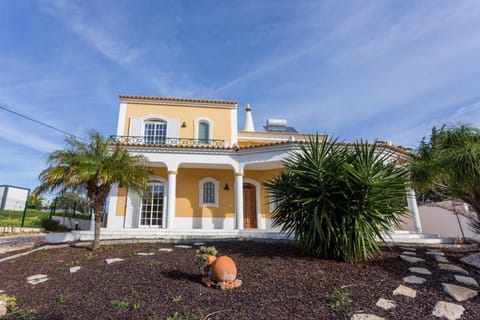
{"x": 121, "y": 202}
{"x": 261, "y": 177}
{"x": 220, "y": 116}
{"x": 188, "y": 192}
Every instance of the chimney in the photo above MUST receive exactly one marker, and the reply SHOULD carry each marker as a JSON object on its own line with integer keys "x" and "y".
{"x": 248, "y": 124}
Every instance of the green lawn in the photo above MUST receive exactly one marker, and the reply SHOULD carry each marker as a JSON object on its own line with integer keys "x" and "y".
{"x": 33, "y": 217}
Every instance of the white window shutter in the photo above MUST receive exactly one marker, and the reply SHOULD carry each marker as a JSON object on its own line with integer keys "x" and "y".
{"x": 135, "y": 129}
{"x": 172, "y": 128}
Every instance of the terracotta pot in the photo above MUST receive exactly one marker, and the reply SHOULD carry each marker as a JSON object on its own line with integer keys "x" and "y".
{"x": 223, "y": 268}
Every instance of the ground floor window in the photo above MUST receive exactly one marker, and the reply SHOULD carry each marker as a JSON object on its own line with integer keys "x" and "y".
{"x": 151, "y": 213}
{"x": 208, "y": 196}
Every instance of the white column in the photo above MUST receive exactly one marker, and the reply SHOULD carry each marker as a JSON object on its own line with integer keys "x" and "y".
{"x": 239, "y": 200}
{"x": 171, "y": 197}
{"x": 412, "y": 206}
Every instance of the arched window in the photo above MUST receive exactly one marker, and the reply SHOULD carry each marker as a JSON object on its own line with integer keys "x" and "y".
{"x": 203, "y": 132}
{"x": 155, "y": 132}
{"x": 151, "y": 212}
{"x": 208, "y": 195}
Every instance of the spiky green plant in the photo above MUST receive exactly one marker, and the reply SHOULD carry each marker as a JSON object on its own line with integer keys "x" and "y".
{"x": 94, "y": 166}
{"x": 338, "y": 200}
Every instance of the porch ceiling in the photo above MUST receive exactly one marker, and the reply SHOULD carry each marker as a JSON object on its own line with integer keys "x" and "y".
{"x": 206, "y": 166}
{"x": 263, "y": 165}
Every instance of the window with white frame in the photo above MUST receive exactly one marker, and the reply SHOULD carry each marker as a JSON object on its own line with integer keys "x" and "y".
{"x": 208, "y": 195}
{"x": 155, "y": 132}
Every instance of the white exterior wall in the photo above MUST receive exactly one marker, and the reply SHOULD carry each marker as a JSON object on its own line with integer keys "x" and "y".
{"x": 14, "y": 198}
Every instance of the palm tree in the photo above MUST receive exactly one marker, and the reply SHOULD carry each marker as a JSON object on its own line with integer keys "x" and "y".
{"x": 93, "y": 166}
{"x": 338, "y": 201}
{"x": 449, "y": 164}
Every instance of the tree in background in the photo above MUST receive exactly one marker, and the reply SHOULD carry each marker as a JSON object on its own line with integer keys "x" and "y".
{"x": 449, "y": 165}
{"x": 35, "y": 202}
{"x": 94, "y": 166}
{"x": 338, "y": 201}
{"x": 70, "y": 200}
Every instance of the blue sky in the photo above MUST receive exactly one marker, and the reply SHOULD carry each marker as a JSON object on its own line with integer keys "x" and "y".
{"x": 355, "y": 69}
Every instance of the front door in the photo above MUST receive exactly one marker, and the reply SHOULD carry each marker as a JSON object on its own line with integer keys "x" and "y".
{"x": 249, "y": 206}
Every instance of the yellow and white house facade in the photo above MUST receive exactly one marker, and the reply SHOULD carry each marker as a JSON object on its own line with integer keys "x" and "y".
{"x": 207, "y": 174}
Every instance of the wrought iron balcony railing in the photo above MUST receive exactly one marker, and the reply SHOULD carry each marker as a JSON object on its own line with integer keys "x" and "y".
{"x": 166, "y": 141}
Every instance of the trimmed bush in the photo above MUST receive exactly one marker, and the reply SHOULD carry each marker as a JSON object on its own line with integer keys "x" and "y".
{"x": 52, "y": 225}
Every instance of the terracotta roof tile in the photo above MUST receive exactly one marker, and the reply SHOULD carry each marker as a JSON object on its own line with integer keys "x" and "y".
{"x": 176, "y": 99}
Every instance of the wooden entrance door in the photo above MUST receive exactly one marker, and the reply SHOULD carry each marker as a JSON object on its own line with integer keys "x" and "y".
{"x": 249, "y": 206}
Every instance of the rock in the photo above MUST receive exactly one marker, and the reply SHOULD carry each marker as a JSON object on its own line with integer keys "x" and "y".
{"x": 405, "y": 291}
{"x": 38, "y": 278}
{"x": 145, "y": 253}
{"x": 411, "y": 259}
{"x": 74, "y": 269}
{"x": 2, "y": 291}
{"x": 466, "y": 280}
{"x": 419, "y": 270}
{"x": 199, "y": 243}
{"x": 165, "y": 249}
{"x": 410, "y": 253}
{"x": 182, "y": 246}
{"x": 459, "y": 293}
{"x": 473, "y": 260}
{"x": 436, "y": 253}
{"x": 365, "y": 316}
{"x": 448, "y": 311}
{"x": 441, "y": 259}
{"x": 3, "y": 308}
{"x": 385, "y": 304}
{"x": 408, "y": 248}
{"x": 414, "y": 280}
{"x": 452, "y": 268}
{"x": 112, "y": 260}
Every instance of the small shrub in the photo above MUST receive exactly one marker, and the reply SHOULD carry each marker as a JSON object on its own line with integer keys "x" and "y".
{"x": 120, "y": 304}
{"x": 152, "y": 264}
{"x": 62, "y": 298}
{"x": 88, "y": 256}
{"x": 187, "y": 316}
{"x": 51, "y": 225}
{"x": 10, "y": 300}
{"x": 202, "y": 253}
{"x": 136, "y": 306}
{"x": 177, "y": 299}
{"x": 339, "y": 299}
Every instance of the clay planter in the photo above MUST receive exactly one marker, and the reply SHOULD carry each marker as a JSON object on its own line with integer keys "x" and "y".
{"x": 223, "y": 273}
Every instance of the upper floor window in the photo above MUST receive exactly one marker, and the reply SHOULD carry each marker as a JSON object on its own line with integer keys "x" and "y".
{"x": 208, "y": 193}
{"x": 155, "y": 132}
{"x": 203, "y": 132}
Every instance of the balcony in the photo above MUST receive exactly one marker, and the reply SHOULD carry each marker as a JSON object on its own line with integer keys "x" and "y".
{"x": 184, "y": 142}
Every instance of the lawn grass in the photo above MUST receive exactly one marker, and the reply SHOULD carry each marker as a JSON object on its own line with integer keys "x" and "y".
{"x": 9, "y": 218}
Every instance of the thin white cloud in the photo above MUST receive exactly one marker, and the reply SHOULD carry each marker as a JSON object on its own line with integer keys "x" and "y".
{"x": 96, "y": 33}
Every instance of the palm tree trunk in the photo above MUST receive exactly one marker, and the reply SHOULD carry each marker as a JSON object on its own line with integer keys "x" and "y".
{"x": 96, "y": 235}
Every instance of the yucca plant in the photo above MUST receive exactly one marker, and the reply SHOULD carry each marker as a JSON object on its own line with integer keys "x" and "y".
{"x": 337, "y": 201}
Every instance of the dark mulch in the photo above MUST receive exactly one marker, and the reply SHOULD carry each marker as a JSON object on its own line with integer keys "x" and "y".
{"x": 277, "y": 284}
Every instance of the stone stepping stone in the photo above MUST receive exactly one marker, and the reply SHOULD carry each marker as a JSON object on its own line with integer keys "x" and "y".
{"x": 199, "y": 243}
{"x": 38, "y": 278}
{"x": 434, "y": 250}
{"x": 473, "y": 260}
{"x": 448, "y": 311}
{"x": 408, "y": 248}
{"x": 452, "y": 268}
{"x": 74, "y": 269}
{"x": 420, "y": 270}
{"x": 405, "y": 291}
{"x": 466, "y": 280}
{"x": 145, "y": 253}
{"x": 165, "y": 249}
{"x": 113, "y": 260}
{"x": 414, "y": 280}
{"x": 385, "y": 304}
{"x": 441, "y": 259}
{"x": 365, "y": 316}
{"x": 411, "y": 259}
{"x": 183, "y": 246}
{"x": 410, "y": 253}
{"x": 459, "y": 293}
{"x": 2, "y": 291}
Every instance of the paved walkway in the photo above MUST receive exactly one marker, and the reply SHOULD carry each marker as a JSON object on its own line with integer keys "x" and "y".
{"x": 19, "y": 242}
